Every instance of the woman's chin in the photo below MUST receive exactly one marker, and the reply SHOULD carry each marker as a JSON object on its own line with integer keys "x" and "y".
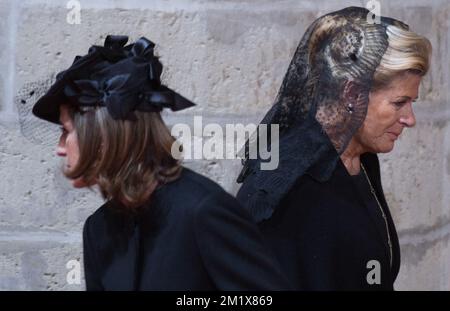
{"x": 386, "y": 148}
{"x": 79, "y": 183}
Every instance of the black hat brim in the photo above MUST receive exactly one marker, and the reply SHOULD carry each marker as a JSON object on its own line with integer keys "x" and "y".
{"x": 47, "y": 107}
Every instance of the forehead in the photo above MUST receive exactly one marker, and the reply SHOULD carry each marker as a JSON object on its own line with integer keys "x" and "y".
{"x": 406, "y": 84}
{"x": 64, "y": 115}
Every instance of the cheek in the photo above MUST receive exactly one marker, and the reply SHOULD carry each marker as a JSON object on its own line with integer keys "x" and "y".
{"x": 379, "y": 118}
{"x": 372, "y": 134}
{"x": 72, "y": 147}
{"x": 371, "y": 128}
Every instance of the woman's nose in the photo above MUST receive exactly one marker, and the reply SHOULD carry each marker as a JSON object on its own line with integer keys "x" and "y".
{"x": 61, "y": 148}
{"x": 408, "y": 118}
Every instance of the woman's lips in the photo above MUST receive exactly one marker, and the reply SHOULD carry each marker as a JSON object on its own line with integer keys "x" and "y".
{"x": 394, "y": 136}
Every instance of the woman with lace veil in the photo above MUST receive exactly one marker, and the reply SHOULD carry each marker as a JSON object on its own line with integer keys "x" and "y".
{"x": 347, "y": 96}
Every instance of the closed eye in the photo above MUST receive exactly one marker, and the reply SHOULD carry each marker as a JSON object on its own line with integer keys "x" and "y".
{"x": 399, "y": 104}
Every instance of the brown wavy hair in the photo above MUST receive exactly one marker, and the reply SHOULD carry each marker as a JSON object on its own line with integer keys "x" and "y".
{"x": 126, "y": 159}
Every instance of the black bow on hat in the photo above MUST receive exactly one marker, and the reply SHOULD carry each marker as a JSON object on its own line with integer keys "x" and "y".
{"x": 121, "y": 78}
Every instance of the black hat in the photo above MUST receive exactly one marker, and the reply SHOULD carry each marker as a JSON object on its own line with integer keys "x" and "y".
{"x": 121, "y": 78}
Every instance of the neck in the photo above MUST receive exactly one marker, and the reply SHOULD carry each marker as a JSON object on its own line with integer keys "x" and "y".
{"x": 351, "y": 157}
{"x": 145, "y": 197}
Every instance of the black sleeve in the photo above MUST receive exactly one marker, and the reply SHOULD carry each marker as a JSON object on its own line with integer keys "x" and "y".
{"x": 232, "y": 248}
{"x": 91, "y": 269}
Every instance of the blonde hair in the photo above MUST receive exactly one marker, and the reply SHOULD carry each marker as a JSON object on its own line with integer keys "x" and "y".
{"x": 127, "y": 159}
{"x": 407, "y": 52}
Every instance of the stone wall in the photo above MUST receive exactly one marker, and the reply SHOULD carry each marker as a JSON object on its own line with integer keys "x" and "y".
{"x": 229, "y": 57}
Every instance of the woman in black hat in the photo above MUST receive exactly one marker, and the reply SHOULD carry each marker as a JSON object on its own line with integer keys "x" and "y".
{"x": 347, "y": 96}
{"x": 163, "y": 227}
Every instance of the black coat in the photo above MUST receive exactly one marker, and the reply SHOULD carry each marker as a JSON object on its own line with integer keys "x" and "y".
{"x": 325, "y": 233}
{"x": 191, "y": 236}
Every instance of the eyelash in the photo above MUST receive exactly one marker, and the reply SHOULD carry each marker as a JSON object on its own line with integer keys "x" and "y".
{"x": 400, "y": 104}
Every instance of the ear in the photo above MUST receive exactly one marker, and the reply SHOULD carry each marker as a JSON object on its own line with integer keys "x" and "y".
{"x": 351, "y": 92}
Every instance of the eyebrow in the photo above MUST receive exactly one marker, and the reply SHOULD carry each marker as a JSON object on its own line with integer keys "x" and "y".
{"x": 406, "y": 98}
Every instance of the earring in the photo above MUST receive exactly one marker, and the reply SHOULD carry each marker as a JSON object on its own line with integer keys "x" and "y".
{"x": 350, "y": 108}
